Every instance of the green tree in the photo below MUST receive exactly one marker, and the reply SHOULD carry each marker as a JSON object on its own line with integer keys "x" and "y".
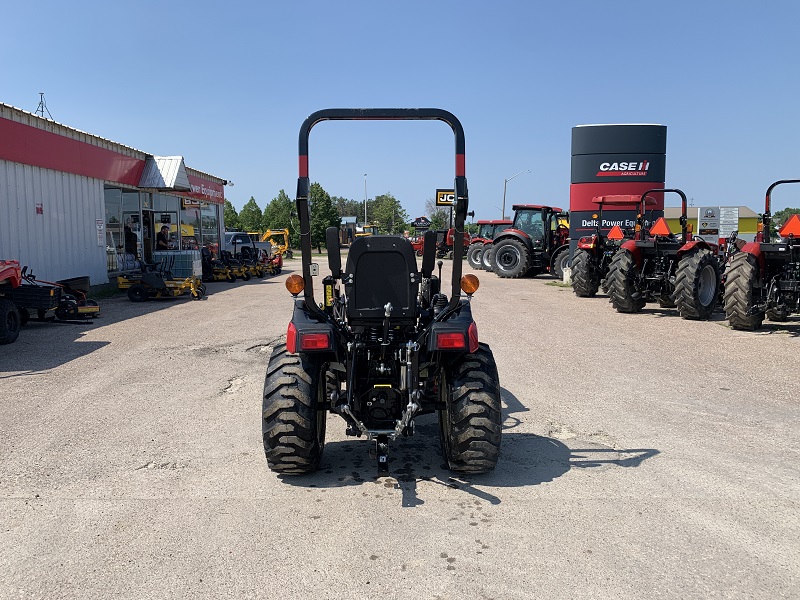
{"x": 278, "y": 215}
{"x": 388, "y": 214}
{"x": 348, "y": 208}
{"x": 230, "y": 216}
{"x": 779, "y": 218}
{"x": 250, "y": 216}
{"x": 439, "y": 216}
{"x": 323, "y": 215}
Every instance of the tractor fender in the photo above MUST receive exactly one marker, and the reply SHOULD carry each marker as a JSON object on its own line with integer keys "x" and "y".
{"x": 689, "y": 246}
{"x": 588, "y": 242}
{"x": 305, "y": 322}
{"x": 754, "y": 248}
{"x": 460, "y": 321}
{"x": 480, "y": 241}
{"x": 516, "y": 234}
{"x": 630, "y": 246}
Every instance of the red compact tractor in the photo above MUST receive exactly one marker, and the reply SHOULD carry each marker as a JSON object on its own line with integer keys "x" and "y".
{"x": 537, "y": 241}
{"x": 763, "y": 278}
{"x": 487, "y": 230}
{"x": 593, "y": 255}
{"x": 661, "y": 268}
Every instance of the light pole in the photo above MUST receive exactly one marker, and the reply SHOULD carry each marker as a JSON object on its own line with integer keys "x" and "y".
{"x": 365, "y": 198}
{"x": 505, "y": 183}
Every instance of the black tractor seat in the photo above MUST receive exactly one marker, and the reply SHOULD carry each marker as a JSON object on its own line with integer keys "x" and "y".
{"x": 381, "y": 270}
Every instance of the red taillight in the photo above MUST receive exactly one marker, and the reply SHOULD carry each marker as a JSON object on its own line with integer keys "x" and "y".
{"x": 314, "y": 341}
{"x": 291, "y": 338}
{"x": 473, "y": 338}
{"x": 450, "y": 341}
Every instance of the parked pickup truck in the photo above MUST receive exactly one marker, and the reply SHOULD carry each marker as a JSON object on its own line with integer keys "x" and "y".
{"x": 234, "y": 240}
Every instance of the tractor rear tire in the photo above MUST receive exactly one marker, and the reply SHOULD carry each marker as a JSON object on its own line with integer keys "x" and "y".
{"x": 697, "y": 281}
{"x": 474, "y": 253}
{"x": 10, "y": 322}
{"x": 292, "y": 423}
{"x": 741, "y": 282}
{"x": 621, "y": 280}
{"x": 560, "y": 262}
{"x": 511, "y": 259}
{"x": 585, "y": 279}
{"x": 471, "y": 424}
{"x": 487, "y": 258}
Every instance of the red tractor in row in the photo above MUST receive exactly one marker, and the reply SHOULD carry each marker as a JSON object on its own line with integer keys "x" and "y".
{"x": 660, "y": 267}
{"x": 537, "y": 241}
{"x": 487, "y": 230}
{"x": 592, "y": 257}
{"x": 763, "y": 278}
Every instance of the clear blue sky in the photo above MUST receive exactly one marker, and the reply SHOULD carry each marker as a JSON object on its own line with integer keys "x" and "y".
{"x": 227, "y": 85}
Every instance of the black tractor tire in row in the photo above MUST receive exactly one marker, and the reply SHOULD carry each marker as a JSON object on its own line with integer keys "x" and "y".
{"x": 741, "y": 282}
{"x": 585, "y": 278}
{"x": 697, "y": 281}
{"x": 487, "y": 258}
{"x": 511, "y": 259}
{"x": 474, "y": 253}
{"x": 779, "y": 315}
{"x": 621, "y": 281}
{"x": 293, "y": 424}
{"x": 560, "y": 262}
{"x": 10, "y": 322}
{"x": 470, "y": 426}
{"x": 137, "y": 293}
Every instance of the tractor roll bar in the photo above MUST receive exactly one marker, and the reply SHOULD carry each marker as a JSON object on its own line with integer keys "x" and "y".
{"x": 380, "y": 114}
{"x": 767, "y": 218}
{"x": 684, "y": 204}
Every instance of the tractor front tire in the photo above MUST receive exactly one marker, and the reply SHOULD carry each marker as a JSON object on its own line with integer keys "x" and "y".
{"x": 292, "y": 423}
{"x": 511, "y": 259}
{"x": 471, "y": 424}
{"x": 474, "y": 256}
{"x": 10, "y": 322}
{"x": 560, "y": 262}
{"x": 741, "y": 282}
{"x": 697, "y": 281}
{"x": 487, "y": 258}
{"x": 621, "y": 279}
{"x": 585, "y": 279}
{"x": 779, "y": 315}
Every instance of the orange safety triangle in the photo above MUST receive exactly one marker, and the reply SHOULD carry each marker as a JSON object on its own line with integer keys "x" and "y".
{"x": 791, "y": 227}
{"x": 660, "y": 227}
{"x": 616, "y": 233}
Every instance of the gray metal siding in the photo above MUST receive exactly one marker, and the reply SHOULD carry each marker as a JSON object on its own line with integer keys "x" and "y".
{"x": 61, "y": 242}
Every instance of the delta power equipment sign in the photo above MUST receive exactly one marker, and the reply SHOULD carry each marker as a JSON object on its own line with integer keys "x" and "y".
{"x": 445, "y": 197}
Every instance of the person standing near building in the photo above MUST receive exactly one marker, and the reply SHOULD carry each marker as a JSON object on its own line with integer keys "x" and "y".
{"x": 130, "y": 241}
{"x": 162, "y": 238}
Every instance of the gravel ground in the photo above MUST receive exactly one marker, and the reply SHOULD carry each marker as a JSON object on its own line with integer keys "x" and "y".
{"x": 643, "y": 456}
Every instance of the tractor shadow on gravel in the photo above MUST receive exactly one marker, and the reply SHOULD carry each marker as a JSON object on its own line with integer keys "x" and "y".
{"x": 526, "y": 459}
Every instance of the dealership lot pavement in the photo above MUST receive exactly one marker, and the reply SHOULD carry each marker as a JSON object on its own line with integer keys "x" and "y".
{"x": 643, "y": 456}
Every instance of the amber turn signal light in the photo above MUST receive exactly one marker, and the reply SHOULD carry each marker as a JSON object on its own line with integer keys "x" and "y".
{"x": 295, "y": 284}
{"x": 470, "y": 284}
